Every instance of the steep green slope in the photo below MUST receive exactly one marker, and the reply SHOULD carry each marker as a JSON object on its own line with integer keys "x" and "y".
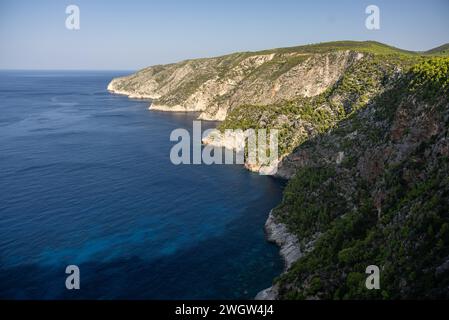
{"x": 441, "y": 50}
{"x": 385, "y": 202}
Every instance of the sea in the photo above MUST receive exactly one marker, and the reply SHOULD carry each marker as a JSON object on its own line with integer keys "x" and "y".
{"x": 86, "y": 180}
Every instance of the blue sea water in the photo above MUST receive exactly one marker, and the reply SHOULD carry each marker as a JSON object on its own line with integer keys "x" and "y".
{"x": 86, "y": 179}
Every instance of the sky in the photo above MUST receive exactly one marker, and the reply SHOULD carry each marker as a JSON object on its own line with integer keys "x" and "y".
{"x": 128, "y": 35}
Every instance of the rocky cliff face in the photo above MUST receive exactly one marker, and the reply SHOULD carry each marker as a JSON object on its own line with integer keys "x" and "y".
{"x": 217, "y": 85}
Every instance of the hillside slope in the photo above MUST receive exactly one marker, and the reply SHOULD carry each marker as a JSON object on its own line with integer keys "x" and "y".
{"x": 375, "y": 191}
{"x": 217, "y": 85}
{"x": 440, "y": 50}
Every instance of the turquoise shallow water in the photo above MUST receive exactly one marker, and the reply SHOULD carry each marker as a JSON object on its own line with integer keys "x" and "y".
{"x": 86, "y": 179}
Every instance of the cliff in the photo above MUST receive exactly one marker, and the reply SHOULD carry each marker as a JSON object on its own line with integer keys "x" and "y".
{"x": 215, "y": 86}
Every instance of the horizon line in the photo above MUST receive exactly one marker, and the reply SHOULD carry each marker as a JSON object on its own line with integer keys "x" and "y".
{"x": 225, "y": 54}
{"x": 67, "y": 69}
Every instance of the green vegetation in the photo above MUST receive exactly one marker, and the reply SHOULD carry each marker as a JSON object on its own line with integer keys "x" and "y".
{"x": 411, "y": 236}
{"x": 395, "y": 217}
{"x": 309, "y": 213}
{"x": 285, "y": 117}
{"x": 360, "y": 46}
{"x": 441, "y": 50}
{"x": 431, "y": 77}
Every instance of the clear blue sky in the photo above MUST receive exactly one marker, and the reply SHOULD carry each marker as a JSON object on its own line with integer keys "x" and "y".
{"x": 134, "y": 34}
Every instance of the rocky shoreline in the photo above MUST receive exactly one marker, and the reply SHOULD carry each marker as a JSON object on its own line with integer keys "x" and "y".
{"x": 132, "y": 95}
{"x": 234, "y": 141}
{"x": 290, "y": 251}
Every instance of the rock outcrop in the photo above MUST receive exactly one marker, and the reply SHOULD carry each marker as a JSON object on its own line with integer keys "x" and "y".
{"x": 290, "y": 251}
{"x": 216, "y": 85}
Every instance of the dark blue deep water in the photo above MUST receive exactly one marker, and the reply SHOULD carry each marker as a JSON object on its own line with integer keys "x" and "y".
{"x": 86, "y": 179}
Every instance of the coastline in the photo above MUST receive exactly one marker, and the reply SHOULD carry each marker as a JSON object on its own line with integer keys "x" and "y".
{"x": 276, "y": 231}
{"x": 289, "y": 249}
{"x": 131, "y": 95}
{"x": 233, "y": 141}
